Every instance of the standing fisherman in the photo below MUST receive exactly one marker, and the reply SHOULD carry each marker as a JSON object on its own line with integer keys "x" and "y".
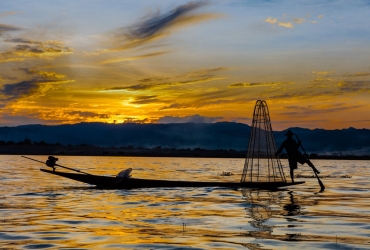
{"x": 294, "y": 156}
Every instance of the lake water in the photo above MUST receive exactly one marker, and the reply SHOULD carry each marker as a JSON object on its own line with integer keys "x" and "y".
{"x": 42, "y": 211}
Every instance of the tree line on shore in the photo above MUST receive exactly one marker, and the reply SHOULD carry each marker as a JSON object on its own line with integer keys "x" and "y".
{"x": 28, "y": 147}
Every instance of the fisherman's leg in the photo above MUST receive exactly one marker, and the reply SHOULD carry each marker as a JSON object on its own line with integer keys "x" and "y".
{"x": 292, "y": 166}
{"x": 292, "y": 174}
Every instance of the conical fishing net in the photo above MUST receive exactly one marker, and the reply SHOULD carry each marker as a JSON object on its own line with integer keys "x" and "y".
{"x": 261, "y": 164}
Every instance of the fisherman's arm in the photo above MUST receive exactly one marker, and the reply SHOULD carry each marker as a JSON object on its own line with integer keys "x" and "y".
{"x": 280, "y": 149}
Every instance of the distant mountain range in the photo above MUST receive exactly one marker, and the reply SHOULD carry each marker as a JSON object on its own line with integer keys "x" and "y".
{"x": 221, "y": 135}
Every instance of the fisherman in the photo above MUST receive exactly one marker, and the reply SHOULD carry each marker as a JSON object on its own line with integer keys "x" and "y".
{"x": 294, "y": 156}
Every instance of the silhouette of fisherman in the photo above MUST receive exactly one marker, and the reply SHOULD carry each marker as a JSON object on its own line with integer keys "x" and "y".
{"x": 294, "y": 156}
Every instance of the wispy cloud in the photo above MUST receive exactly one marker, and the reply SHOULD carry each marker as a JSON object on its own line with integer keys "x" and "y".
{"x": 154, "y": 79}
{"x": 201, "y": 73}
{"x": 6, "y": 28}
{"x": 324, "y": 88}
{"x": 199, "y": 80}
{"x": 271, "y": 20}
{"x": 28, "y": 49}
{"x": 40, "y": 84}
{"x": 289, "y": 23}
{"x": 290, "y": 95}
{"x": 138, "y": 87}
{"x": 84, "y": 114}
{"x": 189, "y": 119}
{"x": 274, "y": 21}
{"x": 132, "y": 87}
{"x": 32, "y": 87}
{"x": 8, "y": 13}
{"x": 318, "y": 109}
{"x": 156, "y": 25}
{"x": 133, "y": 58}
{"x": 15, "y": 90}
{"x": 257, "y": 84}
{"x": 205, "y": 72}
{"x": 177, "y": 106}
{"x": 299, "y": 20}
{"x": 358, "y": 74}
{"x": 214, "y": 99}
{"x": 354, "y": 86}
{"x": 324, "y": 82}
{"x": 8, "y": 78}
{"x": 45, "y": 74}
{"x": 50, "y": 115}
{"x": 22, "y": 40}
{"x": 323, "y": 73}
{"x": 157, "y": 22}
{"x": 145, "y": 99}
{"x": 194, "y": 77}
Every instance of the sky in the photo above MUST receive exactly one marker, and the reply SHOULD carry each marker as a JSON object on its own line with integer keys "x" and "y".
{"x": 116, "y": 61}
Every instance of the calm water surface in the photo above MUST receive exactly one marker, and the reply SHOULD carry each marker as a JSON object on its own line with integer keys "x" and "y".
{"x": 41, "y": 211}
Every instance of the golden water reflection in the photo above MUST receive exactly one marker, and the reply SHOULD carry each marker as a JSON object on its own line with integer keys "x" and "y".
{"x": 40, "y": 211}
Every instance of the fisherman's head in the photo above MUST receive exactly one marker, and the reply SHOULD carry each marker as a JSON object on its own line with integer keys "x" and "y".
{"x": 289, "y": 133}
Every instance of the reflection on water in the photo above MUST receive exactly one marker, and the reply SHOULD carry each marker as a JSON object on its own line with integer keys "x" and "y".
{"x": 39, "y": 211}
{"x": 260, "y": 208}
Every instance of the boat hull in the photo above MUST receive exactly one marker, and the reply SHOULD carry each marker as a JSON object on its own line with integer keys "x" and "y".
{"x": 108, "y": 182}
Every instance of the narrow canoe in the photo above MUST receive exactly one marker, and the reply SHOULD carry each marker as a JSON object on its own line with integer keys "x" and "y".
{"x": 108, "y": 182}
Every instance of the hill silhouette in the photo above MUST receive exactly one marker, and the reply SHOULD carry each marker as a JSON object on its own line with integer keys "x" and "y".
{"x": 213, "y": 136}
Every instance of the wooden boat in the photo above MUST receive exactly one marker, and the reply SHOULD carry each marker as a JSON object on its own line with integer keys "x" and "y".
{"x": 110, "y": 182}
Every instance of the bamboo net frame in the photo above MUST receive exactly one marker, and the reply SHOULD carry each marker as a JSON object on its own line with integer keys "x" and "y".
{"x": 261, "y": 164}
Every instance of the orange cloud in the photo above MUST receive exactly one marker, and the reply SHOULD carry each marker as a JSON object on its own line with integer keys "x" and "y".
{"x": 358, "y": 74}
{"x": 299, "y": 20}
{"x": 286, "y": 24}
{"x": 354, "y": 86}
{"x": 323, "y": 72}
{"x": 257, "y": 84}
{"x": 28, "y": 49}
{"x": 271, "y": 20}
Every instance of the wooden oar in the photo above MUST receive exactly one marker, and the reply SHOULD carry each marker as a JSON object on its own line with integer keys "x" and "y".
{"x": 314, "y": 168}
{"x": 57, "y": 165}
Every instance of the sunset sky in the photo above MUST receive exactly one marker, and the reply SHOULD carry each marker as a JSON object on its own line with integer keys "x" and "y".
{"x": 185, "y": 61}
